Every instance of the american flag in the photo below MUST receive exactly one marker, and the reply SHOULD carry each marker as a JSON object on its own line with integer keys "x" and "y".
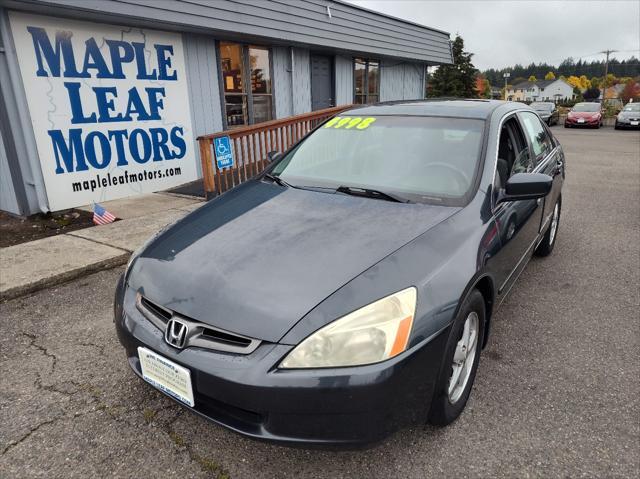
{"x": 102, "y": 216}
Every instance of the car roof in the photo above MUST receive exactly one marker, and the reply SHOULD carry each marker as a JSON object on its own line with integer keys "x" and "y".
{"x": 472, "y": 108}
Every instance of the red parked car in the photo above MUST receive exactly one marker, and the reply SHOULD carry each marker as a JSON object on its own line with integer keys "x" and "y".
{"x": 584, "y": 114}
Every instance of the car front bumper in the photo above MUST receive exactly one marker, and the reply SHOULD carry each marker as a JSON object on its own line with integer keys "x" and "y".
{"x": 626, "y": 123}
{"x": 248, "y": 394}
{"x": 587, "y": 122}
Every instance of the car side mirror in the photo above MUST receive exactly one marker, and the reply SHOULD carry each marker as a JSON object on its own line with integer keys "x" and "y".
{"x": 273, "y": 156}
{"x": 526, "y": 186}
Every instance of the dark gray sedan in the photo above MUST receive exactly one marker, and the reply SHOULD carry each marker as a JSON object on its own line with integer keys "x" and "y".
{"x": 547, "y": 111}
{"x": 629, "y": 117}
{"x": 348, "y": 290}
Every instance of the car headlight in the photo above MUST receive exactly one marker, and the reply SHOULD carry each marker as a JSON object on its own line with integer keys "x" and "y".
{"x": 371, "y": 334}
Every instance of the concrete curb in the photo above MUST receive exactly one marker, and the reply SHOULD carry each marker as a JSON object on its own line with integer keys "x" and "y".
{"x": 63, "y": 277}
{"x": 32, "y": 266}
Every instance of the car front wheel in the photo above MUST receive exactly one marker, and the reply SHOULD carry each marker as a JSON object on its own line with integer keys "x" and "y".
{"x": 549, "y": 240}
{"x": 460, "y": 361}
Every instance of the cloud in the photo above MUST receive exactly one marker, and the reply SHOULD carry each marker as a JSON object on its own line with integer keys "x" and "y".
{"x": 502, "y": 33}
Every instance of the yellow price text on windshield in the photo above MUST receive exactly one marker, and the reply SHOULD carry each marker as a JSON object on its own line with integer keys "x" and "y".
{"x": 348, "y": 122}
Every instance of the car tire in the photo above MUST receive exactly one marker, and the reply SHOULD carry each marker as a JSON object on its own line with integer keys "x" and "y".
{"x": 549, "y": 240}
{"x": 566, "y": 126}
{"x": 449, "y": 401}
{"x": 616, "y": 127}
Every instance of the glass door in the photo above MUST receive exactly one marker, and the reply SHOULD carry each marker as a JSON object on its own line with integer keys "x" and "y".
{"x": 247, "y": 88}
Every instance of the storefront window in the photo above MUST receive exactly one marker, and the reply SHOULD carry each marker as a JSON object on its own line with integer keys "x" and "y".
{"x": 366, "y": 80}
{"x": 246, "y": 77}
{"x": 260, "y": 84}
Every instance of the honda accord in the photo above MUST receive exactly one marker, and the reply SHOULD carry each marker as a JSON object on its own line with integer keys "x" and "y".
{"x": 348, "y": 290}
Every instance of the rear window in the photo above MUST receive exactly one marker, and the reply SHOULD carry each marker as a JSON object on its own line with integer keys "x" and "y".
{"x": 542, "y": 106}
{"x": 422, "y": 159}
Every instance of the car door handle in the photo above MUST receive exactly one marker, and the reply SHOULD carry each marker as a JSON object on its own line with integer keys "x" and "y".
{"x": 559, "y": 164}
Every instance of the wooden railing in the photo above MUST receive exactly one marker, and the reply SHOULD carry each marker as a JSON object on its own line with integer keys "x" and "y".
{"x": 250, "y": 145}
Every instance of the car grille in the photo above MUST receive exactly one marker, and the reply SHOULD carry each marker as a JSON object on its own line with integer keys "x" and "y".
{"x": 200, "y": 334}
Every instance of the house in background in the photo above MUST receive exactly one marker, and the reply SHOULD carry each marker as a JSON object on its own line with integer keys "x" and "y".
{"x": 541, "y": 90}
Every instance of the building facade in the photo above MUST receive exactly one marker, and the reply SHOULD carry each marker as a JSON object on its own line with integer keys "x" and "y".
{"x": 105, "y": 99}
{"x": 540, "y": 90}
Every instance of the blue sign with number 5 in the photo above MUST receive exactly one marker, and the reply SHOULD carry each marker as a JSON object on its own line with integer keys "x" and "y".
{"x": 222, "y": 149}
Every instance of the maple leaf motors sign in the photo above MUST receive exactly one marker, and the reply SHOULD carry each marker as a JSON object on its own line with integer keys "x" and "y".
{"x": 109, "y": 107}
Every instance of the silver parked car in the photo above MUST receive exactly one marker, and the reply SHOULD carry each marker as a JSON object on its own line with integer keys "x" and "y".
{"x": 629, "y": 117}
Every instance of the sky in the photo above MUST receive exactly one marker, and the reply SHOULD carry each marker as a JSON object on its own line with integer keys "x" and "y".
{"x": 502, "y": 33}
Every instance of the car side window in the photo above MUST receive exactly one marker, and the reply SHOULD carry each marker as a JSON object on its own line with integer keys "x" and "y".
{"x": 513, "y": 153}
{"x": 537, "y": 134}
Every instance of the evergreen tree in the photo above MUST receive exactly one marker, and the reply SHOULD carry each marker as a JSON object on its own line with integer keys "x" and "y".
{"x": 568, "y": 67}
{"x": 457, "y": 80}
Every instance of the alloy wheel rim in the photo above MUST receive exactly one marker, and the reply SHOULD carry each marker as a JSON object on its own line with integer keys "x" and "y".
{"x": 554, "y": 224}
{"x": 463, "y": 358}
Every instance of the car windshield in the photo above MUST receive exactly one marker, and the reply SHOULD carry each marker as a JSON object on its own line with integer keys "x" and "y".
{"x": 587, "y": 107}
{"x": 542, "y": 106}
{"x": 419, "y": 159}
{"x": 632, "y": 107}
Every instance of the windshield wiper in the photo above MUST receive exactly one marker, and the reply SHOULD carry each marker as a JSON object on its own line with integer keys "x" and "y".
{"x": 369, "y": 193}
{"x": 277, "y": 179}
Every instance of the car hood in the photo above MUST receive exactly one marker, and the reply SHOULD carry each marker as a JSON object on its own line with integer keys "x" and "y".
{"x": 257, "y": 259}
{"x": 583, "y": 114}
{"x": 629, "y": 114}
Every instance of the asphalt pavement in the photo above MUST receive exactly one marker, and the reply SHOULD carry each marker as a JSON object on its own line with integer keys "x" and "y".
{"x": 557, "y": 393}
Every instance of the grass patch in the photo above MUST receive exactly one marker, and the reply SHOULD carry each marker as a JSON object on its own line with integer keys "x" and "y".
{"x": 212, "y": 466}
{"x": 177, "y": 439}
{"x": 149, "y": 414}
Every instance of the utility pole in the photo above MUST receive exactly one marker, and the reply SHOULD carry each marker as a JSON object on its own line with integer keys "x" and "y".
{"x": 606, "y": 72}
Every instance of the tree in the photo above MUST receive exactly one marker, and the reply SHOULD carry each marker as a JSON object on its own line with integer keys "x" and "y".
{"x": 631, "y": 91}
{"x": 610, "y": 80}
{"x": 457, "y": 80}
{"x": 533, "y": 78}
{"x": 595, "y": 82}
{"x": 482, "y": 87}
{"x": 585, "y": 84}
{"x": 625, "y": 68}
{"x": 574, "y": 81}
{"x": 487, "y": 90}
{"x": 550, "y": 76}
{"x": 591, "y": 94}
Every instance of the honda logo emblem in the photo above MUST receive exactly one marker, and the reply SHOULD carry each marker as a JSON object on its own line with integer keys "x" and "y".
{"x": 176, "y": 333}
